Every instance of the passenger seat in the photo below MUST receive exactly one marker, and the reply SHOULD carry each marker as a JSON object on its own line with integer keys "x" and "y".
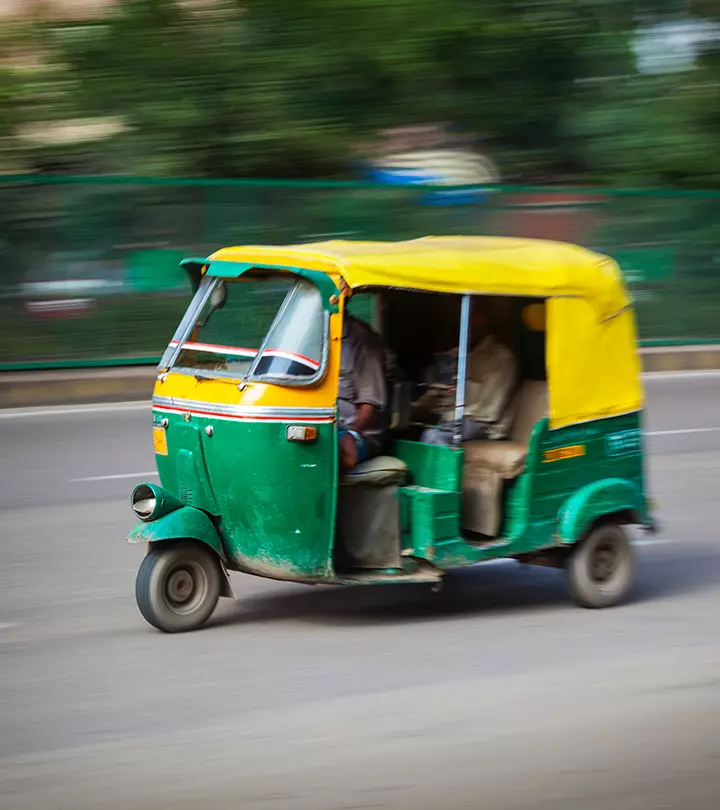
{"x": 489, "y": 463}
{"x": 508, "y": 457}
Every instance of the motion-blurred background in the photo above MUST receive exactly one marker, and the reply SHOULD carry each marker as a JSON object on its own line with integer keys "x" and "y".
{"x": 134, "y": 132}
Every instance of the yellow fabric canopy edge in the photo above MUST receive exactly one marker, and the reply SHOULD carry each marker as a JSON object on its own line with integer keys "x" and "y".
{"x": 457, "y": 264}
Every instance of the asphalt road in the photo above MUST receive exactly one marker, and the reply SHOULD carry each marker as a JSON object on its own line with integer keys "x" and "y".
{"x": 495, "y": 693}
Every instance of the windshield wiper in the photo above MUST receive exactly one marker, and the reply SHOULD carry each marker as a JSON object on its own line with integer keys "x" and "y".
{"x": 200, "y": 377}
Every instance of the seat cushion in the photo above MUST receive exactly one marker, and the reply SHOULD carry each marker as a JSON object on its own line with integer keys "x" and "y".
{"x": 380, "y": 471}
{"x": 531, "y": 405}
{"x": 505, "y": 458}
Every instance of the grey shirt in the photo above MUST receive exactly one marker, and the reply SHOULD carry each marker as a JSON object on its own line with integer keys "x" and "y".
{"x": 362, "y": 378}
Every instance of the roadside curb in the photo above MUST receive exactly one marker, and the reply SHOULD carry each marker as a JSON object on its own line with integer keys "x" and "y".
{"x": 24, "y": 389}
{"x": 135, "y": 383}
{"x": 681, "y": 358}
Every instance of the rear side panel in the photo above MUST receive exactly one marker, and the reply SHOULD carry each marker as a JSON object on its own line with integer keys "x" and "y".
{"x": 573, "y": 476}
{"x": 563, "y": 462}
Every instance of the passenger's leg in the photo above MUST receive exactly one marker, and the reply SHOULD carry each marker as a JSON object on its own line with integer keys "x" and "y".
{"x": 443, "y": 434}
{"x": 437, "y": 435}
{"x": 474, "y": 431}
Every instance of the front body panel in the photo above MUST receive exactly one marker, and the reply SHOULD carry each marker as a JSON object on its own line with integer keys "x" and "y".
{"x": 228, "y": 453}
{"x": 273, "y": 499}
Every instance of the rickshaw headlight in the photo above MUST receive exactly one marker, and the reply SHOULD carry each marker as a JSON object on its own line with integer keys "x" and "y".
{"x": 144, "y": 502}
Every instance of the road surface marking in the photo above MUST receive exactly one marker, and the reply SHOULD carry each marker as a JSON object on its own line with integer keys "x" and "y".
{"x": 678, "y": 375}
{"x": 656, "y": 541}
{"x": 115, "y": 477}
{"x": 681, "y": 430}
{"x": 103, "y": 407}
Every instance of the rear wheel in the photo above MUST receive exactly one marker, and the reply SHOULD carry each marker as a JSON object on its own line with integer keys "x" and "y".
{"x": 178, "y": 586}
{"x": 601, "y": 568}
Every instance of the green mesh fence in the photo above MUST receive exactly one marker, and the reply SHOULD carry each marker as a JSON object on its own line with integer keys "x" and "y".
{"x": 89, "y": 265}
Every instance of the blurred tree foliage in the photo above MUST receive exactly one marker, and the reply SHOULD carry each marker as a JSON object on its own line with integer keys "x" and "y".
{"x": 299, "y": 88}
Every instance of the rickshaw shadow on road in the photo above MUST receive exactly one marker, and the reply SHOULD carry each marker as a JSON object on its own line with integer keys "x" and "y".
{"x": 487, "y": 590}
{"x": 490, "y": 590}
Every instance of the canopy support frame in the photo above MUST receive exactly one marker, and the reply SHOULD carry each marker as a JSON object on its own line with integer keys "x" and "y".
{"x": 461, "y": 370}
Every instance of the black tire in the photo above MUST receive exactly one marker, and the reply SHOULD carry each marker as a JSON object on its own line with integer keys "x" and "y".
{"x": 601, "y": 568}
{"x": 178, "y": 586}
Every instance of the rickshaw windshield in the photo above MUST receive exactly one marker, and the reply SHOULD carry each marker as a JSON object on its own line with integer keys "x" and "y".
{"x": 266, "y": 329}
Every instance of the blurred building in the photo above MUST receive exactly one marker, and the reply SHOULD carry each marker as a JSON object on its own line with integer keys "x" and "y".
{"x": 59, "y": 9}
{"x": 433, "y": 155}
{"x": 65, "y": 9}
{"x": 430, "y": 154}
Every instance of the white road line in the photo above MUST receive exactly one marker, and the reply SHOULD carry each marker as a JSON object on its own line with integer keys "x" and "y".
{"x": 6, "y": 625}
{"x": 678, "y": 375}
{"x": 655, "y": 541}
{"x": 115, "y": 477}
{"x": 681, "y": 430}
{"x": 101, "y": 407}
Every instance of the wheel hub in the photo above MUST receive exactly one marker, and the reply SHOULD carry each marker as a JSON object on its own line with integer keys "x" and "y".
{"x": 186, "y": 587}
{"x": 180, "y": 586}
{"x": 604, "y": 563}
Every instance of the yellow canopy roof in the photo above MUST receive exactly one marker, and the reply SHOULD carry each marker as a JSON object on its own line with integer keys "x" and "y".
{"x": 457, "y": 264}
{"x": 593, "y": 368}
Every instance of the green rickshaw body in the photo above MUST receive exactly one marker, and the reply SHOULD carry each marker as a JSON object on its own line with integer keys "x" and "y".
{"x": 552, "y": 503}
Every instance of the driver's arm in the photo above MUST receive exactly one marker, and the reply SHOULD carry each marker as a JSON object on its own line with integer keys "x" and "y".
{"x": 363, "y": 417}
{"x": 370, "y": 385}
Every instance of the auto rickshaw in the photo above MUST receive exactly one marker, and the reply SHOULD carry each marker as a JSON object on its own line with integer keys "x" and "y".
{"x": 246, "y": 436}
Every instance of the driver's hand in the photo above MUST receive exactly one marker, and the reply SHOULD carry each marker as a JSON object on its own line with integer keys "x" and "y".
{"x": 348, "y": 453}
{"x": 430, "y": 403}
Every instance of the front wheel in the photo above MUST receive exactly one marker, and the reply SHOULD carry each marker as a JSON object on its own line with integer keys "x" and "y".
{"x": 601, "y": 568}
{"x": 178, "y": 586}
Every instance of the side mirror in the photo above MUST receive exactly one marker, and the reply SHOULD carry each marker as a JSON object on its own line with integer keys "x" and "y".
{"x": 218, "y": 297}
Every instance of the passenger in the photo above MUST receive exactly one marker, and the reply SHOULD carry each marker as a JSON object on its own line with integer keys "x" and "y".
{"x": 492, "y": 374}
{"x": 362, "y": 395}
